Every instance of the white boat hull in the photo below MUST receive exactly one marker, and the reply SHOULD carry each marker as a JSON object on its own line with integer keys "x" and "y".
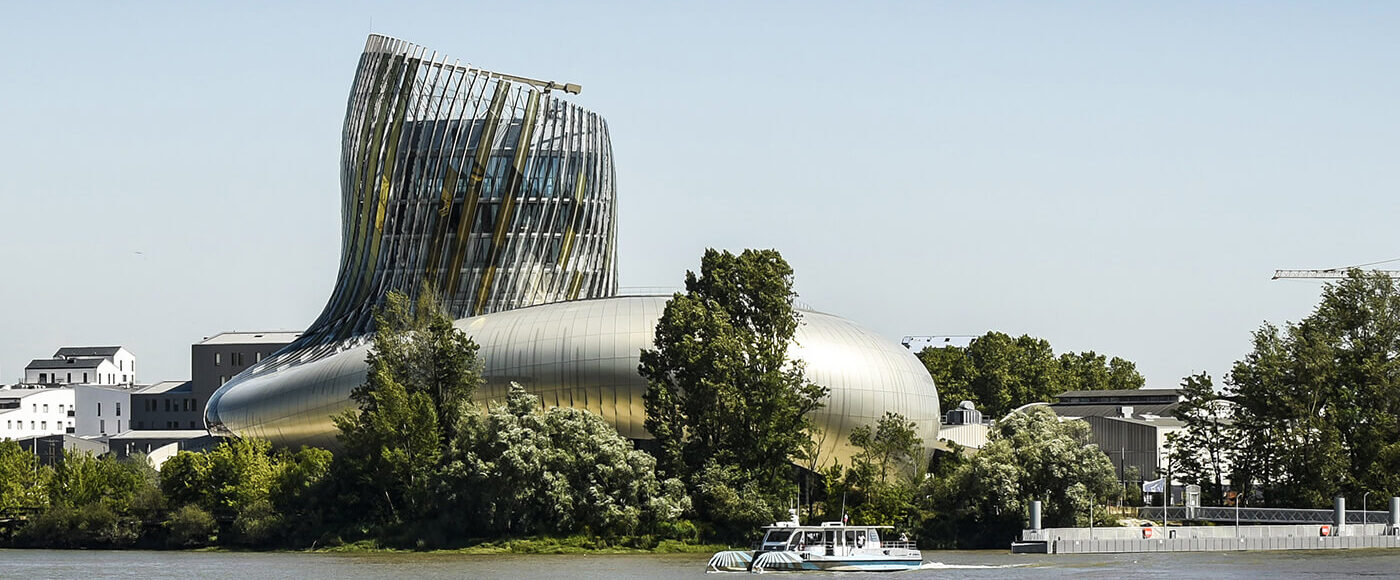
{"x": 744, "y": 561}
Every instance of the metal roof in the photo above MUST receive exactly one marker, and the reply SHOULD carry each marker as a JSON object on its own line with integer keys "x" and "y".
{"x": 65, "y": 363}
{"x": 132, "y": 434}
{"x": 87, "y": 351}
{"x": 1122, "y": 393}
{"x": 162, "y": 387}
{"x": 1068, "y": 410}
{"x": 272, "y": 337}
{"x": 1167, "y": 422}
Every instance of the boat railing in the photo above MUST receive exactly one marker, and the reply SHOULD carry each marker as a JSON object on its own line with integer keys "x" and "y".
{"x": 899, "y": 544}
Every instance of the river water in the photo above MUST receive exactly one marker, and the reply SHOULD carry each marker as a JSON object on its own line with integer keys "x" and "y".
{"x": 94, "y": 564}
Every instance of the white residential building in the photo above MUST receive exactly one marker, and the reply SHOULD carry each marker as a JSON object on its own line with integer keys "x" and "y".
{"x": 101, "y": 410}
{"x": 30, "y": 412}
{"x": 83, "y": 365}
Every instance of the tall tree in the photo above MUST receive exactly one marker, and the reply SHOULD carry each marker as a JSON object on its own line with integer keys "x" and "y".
{"x": 1317, "y": 401}
{"x": 421, "y": 377}
{"x": 999, "y": 373}
{"x": 1091, "y": 371}
{"x": 879, "y": 487}
{"x": 726, "y": 405}
{"x": 23, "y": 484}
{"x": 1198, "y": 451}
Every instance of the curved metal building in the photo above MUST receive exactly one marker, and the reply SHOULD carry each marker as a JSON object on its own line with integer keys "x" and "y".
{"x": 501, "y": 196}
{"x": 584, "y": 354}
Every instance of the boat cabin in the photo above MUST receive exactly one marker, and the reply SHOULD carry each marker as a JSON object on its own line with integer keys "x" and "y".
{"x": 828, "y": 539}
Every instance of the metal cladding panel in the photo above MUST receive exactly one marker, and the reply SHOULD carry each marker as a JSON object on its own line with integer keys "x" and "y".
{"x": 584, "y": 354}
{"x": 484, "y": 185}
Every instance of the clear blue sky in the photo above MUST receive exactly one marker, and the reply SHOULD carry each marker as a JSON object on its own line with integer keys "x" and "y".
{"x": 1117, "y": 177}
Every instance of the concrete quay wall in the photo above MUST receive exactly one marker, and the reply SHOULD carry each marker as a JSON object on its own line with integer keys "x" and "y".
{"x": 1180, "y": 544}
{"x": 1210, "y": 538}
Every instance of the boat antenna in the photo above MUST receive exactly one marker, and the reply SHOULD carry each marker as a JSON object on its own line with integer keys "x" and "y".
{"x": 843, "y": 508}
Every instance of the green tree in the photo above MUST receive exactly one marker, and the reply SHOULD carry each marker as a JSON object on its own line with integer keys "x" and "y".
{"x": 880, "y": 486}
{"x": 417, "y": 396}
{"x": 893, "y": 447}
{"x": 953, "y": 372}
{"x": 1132, "y": 490}
{"x": 233, "y": 481}
{"x": 224, "y": 481}
{"x": 417, "y": 346}
{"x": 23, "y": 484}
{"x": 1030, "y": 455}
{"x": 1091, "y": 371}
{"x": 184, "y": 479}
{"x": 1198, "y": 451}
{"x": 91, "y": 504}
{"x": 999, "y": 373}
{"x": 728, "y": 409}
{"x": 265, "y": 497}
{"x": 300, "y": 484}
{"x": 1317, "y": 401}
{"x": 190, "y": 527}
{"x": 80, "y": 479}
{"x": 392, "y": 451}
{"x": 562, "y": 471}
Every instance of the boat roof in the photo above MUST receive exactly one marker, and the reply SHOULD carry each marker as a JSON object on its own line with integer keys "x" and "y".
{"x": 823, "y": 526}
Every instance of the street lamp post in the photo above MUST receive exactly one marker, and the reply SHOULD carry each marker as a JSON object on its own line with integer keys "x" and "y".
{"x": 1364, "y": 516}
{"x": 1237, "y": 513}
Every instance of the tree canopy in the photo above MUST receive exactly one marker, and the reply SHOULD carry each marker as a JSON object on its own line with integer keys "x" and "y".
{"x": 1198, "y": 451}
{"x": 422, "y": 373}
{"x": 881, "y": 483}
{"x": 1317, "y": 403}
{"x": 560, "y": 471}
{"x": 423, "y": 465}
{"x": 1031, "y": 455}
{"x": 728, "y": 409}
{"x": 23, "y": 484}
{"x": 999, "y": 373}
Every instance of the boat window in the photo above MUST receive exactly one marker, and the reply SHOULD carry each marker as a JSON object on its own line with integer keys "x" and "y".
{"x": 776, "y": 536}
{"x": 874, "y": 538}
{"x": 850, "y": 537}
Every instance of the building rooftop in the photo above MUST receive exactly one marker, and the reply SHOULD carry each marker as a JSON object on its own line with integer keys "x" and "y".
{"x": 64, "y": 363}
{"x": 1158, "y": 422}
{"x": 918, "y": 343}
{"x": 106, "y": 351}
{"x": 20, "y": 393}
{"x": 1159, "y": 410}
{"x": 137, "y": 434}
{"x": 273, "y": 337}
{"x": 1120, "y": 394}
{"x": 162, "y": 387}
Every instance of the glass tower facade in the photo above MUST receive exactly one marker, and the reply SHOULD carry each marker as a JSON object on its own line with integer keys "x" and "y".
{"x": 483, "y": 185}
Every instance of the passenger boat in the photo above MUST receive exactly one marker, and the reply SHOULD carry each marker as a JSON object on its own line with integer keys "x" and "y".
{"x": 832, "y": 546}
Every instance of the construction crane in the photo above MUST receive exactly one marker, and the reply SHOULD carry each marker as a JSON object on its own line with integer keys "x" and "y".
{"x": 1333, "y": 273}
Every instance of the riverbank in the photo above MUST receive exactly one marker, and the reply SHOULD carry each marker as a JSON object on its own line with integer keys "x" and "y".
{"x": 568, "y": 545}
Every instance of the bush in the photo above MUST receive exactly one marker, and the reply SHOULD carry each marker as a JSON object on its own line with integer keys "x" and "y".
{"x": 257, "y": 524}
{"x": 190, "y": 527}
{"x": 90, "y": 526}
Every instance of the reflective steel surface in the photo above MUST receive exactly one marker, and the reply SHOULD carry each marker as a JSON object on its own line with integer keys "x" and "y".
{"x": 584, "y": 354}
